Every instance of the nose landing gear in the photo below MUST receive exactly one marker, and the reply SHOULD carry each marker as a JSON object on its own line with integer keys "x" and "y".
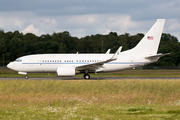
{"x": 24, "y": 73}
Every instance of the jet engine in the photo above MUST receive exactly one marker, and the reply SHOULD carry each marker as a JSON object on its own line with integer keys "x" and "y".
{"x": 66, "y": 71}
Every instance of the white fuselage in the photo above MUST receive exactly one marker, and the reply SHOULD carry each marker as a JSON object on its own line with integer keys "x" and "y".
{"x": 50, "y": 62}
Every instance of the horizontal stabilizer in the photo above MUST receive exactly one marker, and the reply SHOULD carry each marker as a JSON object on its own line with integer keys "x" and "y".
{"x": 157, "y": 55}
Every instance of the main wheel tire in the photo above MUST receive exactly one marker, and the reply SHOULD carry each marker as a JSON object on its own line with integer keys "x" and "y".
{"x": 26, "y": 77}
{"x": 86, "y": 76}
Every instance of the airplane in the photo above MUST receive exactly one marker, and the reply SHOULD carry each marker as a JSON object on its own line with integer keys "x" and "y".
{"x": 66, "y": 65}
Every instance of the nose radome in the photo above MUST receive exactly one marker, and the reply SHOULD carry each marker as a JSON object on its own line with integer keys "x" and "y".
{"x": 10, "y": 65}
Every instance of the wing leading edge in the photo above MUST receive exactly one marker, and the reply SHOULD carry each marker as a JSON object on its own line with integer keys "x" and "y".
{"x": 98, "y": 65}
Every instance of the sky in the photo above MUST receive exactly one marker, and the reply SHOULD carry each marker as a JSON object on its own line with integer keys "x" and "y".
{"x": 84, "y": 18}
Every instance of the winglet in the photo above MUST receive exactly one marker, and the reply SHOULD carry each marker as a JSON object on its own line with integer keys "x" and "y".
{"x": 115, "y": 56}
{"x": 108, "y": 51}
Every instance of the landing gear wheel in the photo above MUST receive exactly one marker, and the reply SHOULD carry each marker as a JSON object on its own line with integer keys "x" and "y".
{"x": 26, "y": 77}
{"x": 86, "y": 76}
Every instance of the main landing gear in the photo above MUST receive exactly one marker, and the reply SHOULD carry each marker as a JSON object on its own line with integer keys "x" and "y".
{"x": 86, "y": 76}
{"x": 26, "y": 77}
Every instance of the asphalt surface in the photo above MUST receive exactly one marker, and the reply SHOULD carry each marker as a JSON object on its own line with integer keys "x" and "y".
{"x": 94, "y": 78}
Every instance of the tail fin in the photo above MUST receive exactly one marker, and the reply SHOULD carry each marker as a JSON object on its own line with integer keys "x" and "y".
{"x": 150, "y": 42}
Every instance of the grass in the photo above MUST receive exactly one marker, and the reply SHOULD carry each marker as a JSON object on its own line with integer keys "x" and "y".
{"x": 90, "y": 100}
{"x": 5, "y": 72}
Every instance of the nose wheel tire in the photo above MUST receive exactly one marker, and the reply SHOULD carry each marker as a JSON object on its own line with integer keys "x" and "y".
{"x": 26, "y": 77}
{"x": 86, "y": 76}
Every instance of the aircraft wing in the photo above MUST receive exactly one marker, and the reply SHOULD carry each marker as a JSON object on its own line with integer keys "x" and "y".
{"x": 156, "y": 56}
{"x": 97, "y": 65}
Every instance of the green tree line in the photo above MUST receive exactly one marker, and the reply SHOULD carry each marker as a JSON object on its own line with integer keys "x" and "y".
{"x": 16, "y": 44}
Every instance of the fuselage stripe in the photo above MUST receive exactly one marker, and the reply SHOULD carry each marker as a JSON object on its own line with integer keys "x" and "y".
{"x": 91, "y": 63}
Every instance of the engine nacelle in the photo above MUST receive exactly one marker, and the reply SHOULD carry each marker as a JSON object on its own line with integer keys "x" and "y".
{"x": 66, "y": 71}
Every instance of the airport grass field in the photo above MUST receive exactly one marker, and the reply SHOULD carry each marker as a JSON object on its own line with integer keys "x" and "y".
{"x": 90, "y": 100}
{"x": 127, "y": 99}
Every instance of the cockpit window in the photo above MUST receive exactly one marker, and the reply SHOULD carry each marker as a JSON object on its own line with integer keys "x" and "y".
{"x": 18, "y": 60}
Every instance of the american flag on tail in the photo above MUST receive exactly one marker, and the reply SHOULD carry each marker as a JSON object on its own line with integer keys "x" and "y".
{"x": 150, "y": 37}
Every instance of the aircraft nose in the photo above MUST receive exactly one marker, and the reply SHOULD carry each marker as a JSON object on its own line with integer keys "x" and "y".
{"x": 10, "y": 65}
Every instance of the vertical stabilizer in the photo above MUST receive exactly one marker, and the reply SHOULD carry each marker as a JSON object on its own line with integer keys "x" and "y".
{"x": 150, "y": 42}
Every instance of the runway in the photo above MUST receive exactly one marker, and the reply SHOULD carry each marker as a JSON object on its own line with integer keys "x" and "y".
{"x": 93, "y": 78}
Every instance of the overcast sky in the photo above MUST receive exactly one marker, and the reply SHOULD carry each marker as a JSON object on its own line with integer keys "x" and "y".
{"x": 82, "y": 17}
